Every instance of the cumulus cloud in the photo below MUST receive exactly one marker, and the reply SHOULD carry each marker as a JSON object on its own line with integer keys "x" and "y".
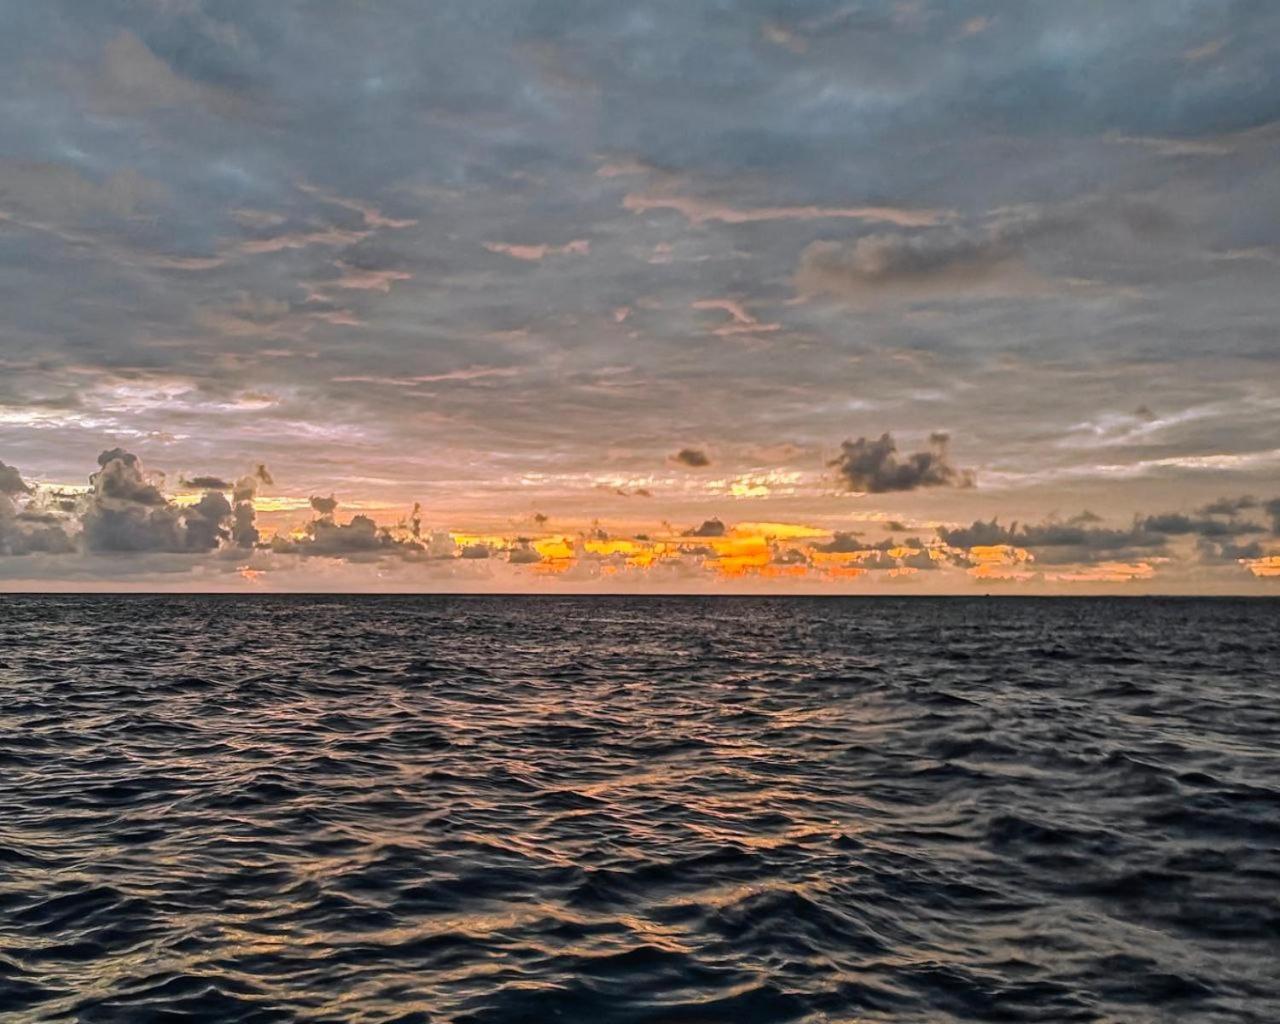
{"x": 125, "y": 511}
{"x": 325, "y": 537}
{"x": 523, "y": 553}
{"x": 1058, "y": 542}
{"x": 842, "y": 542}
{"x": 324, "y": 506}
{"x": 11, "y": 481}
{"x": 129, "y": 513}
{"x": 121, "y": 478}
{"x": 23, "y": 530}
{"x": 874, "y": 467}
{"x": 1217, "y": 531}
{"x": 694, "y": 458}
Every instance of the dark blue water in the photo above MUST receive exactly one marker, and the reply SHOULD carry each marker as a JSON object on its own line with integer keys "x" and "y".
{"x": 683, "y": 810}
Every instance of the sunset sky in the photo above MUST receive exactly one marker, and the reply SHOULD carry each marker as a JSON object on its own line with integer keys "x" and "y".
{"x": 713, "y": 297}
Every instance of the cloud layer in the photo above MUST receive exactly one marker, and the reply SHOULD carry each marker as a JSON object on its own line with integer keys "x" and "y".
{"x": 629, "y": 266}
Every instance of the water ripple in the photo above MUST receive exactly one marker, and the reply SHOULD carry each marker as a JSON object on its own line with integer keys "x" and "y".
{"x": 626, "y": 810}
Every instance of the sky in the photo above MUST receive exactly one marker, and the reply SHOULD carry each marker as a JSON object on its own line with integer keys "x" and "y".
{"x": 802, "y": 297}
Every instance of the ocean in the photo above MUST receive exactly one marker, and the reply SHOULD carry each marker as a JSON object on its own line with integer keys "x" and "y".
{"x": 546, "y": 809}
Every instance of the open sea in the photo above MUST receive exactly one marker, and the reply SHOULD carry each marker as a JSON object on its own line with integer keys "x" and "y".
{"x": 525, "y": 809}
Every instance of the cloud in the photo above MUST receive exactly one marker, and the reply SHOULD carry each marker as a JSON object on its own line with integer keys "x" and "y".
{"x": 694, "y": 458}
{"x": 121, "y": 478}
{"x": 11, "y": 481}
{"x": 992, "y": 258}
{"x": 1230, "y": 506}
{"x": 19, "y": 537}
{"x": 324, "y": 506}
{"x": 132, "y": 78}
{"x": 702, "y": 211}
{"x": 1077, "y": 540}
{"x": 842, "y": 542}
{"x": 1177, "y": 147}
{"x": 125, "y": 511}
{"x": 945, "y": 263}
{"x": 329, "y": 236}
{"x": 709, "y": 528}
{"x": 873, "y": 467}
{"x": 367, "y": 280}
{"x": 129, "y": 513}
{"x": 1058, "y": 543}
{"x": 206, "y": 522}
{"x": 1176, "y": 524}
{"x": 247, "y": 487}
{"x": 369, "y": 213}
{"x": 536, "y": 253}
{"x": 523, "y": 553}
{"x": 207, "y": 483}
{"x": 359, "y": 538}
{"x": 24, "y": 531}
{"x": 56, "y": 192}
{"x": 244, "y": 530}
{"x": 1272, "y": 508}
{"x": 740, "y": 321}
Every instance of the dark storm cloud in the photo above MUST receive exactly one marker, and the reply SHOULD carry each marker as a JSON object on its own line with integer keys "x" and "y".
{"x": 875, "y": 468}
{"x": 695, "y": 458}
{"x": 709, "y": 528}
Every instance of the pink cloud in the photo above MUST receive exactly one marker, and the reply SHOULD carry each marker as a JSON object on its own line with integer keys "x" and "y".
{"x": 741, "y": 322}
{"x": 700, "y": 211}
{"x": 535, "y": 253}
{"x": 368, "y": 280}
{"x": 373, "y": 217}
{"x": 302, "y": 239}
